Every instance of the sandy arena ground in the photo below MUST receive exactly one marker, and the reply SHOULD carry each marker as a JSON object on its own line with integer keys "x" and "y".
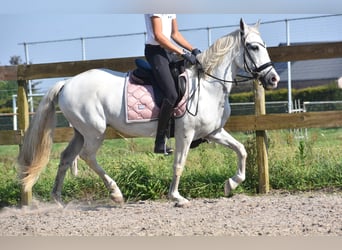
{"x": 275, "y": 214}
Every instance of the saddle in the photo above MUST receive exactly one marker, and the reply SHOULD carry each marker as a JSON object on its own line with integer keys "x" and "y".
{"x": 143, "y": 96}
{"x": 143, "y": 75}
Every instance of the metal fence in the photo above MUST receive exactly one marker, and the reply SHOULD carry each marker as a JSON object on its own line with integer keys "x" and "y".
{"x": 275, "y": 32}
{"x": 306, "y": 29}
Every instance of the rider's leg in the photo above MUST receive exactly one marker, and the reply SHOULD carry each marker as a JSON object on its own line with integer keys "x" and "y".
{"x": 159, "y": 61}
{"x": 163, "y": 122}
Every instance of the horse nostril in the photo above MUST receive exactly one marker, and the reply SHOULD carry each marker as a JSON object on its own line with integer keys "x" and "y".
{"x": 275, "y": 79}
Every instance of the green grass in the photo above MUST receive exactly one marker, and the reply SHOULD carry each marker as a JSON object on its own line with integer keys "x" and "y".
{"x": 313, "y": 163}
{"x": 294, "y": 164}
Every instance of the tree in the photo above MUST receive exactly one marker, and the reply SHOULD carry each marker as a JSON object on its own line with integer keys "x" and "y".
{"x": 15, "y": 60}
{"x": 10, "y": 88}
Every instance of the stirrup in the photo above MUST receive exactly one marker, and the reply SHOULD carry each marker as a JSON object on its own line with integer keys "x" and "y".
{"x": 165, "y": 150}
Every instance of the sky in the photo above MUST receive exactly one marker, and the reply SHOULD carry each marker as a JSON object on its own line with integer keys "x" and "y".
{"x": 38, "y": 20}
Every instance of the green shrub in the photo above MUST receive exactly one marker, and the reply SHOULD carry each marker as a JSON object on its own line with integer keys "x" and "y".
{"x": 329, "y": 92}
{"x": 294, "y": 164}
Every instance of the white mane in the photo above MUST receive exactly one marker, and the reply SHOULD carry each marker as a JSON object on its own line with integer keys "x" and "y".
{"x": 214, "y": 55}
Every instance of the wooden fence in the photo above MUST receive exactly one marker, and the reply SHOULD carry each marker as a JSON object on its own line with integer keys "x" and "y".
{"x": 260, "y": 122}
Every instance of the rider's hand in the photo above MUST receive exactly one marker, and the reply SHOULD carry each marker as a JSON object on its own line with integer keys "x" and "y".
{"x": 195, "y": 52}
{"x": 190, "y": 58}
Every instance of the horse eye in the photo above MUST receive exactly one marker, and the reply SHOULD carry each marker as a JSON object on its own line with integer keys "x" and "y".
{"x": 253, "y": 47}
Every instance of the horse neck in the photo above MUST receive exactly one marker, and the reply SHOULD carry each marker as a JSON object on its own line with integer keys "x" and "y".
{"x": 220, "y": 60}
{"x": 226, "y": 71}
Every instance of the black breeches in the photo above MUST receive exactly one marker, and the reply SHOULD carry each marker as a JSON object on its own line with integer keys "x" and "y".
{"x": 159, "y": 60}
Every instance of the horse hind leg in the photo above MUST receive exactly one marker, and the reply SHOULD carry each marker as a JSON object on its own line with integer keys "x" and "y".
{"x": 67, "y": 159}
{"x": 88, "y": 154}
{"x": 74, "y": 166}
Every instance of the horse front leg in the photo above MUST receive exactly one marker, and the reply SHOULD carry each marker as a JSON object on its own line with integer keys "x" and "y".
{"x": 173, "y": 192}
{"x": 182, "y": 149}
{"x": 224, "y": 138}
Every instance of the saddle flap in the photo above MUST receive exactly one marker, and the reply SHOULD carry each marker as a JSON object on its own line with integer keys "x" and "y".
{"x": 181, "y": 85}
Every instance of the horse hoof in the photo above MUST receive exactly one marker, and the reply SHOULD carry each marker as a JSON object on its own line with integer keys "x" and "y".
{"x": 227, "y": 188}
{"x": 183, "y": 204}
{"x": 118, "y": 199}
{"x": 58, "y": 201}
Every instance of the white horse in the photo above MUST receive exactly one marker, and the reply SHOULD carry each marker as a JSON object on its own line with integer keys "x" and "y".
{"x": 94, "y": 99}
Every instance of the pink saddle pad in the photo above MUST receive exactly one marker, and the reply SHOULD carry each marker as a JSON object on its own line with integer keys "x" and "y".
{"x": 140, "y": 104}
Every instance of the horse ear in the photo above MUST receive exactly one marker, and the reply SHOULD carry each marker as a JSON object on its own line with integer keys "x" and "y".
{"x": 242, "y": 27}
{"x": 257, "y": 25}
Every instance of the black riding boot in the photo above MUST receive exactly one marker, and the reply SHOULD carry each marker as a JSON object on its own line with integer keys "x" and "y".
{"x": 163, "y": 122}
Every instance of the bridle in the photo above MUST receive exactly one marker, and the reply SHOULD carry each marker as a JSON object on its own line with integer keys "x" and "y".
{"x": 254, "y": 71}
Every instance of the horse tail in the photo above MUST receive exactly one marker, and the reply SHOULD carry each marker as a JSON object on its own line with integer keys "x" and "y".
{"x": 38, "y": 139}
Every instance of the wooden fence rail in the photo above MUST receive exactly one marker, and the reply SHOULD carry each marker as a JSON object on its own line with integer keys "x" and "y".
{"x": 66, "y": 69}
{"x": 328, "y": 119}
{"x": 259, "y": 122}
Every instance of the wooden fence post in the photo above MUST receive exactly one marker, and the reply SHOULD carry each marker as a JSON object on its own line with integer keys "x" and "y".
{"x": 261, "y": 139}
{"x": 23, "y": 118}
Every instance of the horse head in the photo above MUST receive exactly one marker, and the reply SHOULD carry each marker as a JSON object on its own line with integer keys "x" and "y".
{"x": 254, "y": 57}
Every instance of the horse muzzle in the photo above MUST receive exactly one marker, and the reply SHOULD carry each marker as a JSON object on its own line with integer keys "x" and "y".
{"x": 270, "y": 79}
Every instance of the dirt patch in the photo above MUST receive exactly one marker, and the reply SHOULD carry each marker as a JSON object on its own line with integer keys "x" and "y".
{"x": 313, "y": 213}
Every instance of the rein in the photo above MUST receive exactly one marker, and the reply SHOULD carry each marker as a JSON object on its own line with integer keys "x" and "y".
{"x": 246, "y": 78}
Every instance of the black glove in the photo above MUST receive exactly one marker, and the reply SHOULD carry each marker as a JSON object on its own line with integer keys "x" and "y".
{"x": 195, "y": 52}
{"x": 190, "y": 58}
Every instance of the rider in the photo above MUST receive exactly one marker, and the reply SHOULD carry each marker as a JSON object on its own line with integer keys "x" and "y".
{"x": 161, "y": 30}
